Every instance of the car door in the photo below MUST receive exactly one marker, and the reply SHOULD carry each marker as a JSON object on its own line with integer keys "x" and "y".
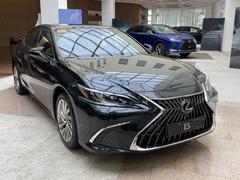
{"x": 29, "y": 42}
{"x": 138, "y": 34}
{"x": 149, "y": 37}
{"x": 41, "y": 68}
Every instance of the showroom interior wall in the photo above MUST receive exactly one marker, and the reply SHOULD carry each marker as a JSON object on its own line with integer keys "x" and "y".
{"x": 123, "y": 11}
{"x": 16, "y": 18}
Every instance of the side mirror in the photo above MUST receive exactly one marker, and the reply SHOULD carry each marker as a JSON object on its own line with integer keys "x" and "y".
{"x": 150, "y": 32}
{"x": 37, "y": 53}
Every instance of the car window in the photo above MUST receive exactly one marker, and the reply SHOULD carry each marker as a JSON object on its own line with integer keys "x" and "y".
{"x": 86, "y": 42}
{"x": 138, "y": 29}
{"x": 44, "y": 40}
{"x": 164, "y": 29}
{"x": 194, "y": 30}
{"x": 148, "y": 30}
{"x": 186, "y": 29}
{"x": 31, "y": 38}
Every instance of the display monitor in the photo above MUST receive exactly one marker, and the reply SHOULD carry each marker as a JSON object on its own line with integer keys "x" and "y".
{"x": 70, "y": 16}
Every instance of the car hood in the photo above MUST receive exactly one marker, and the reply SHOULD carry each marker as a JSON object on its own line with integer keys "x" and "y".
{"x": 177, "y": 36}
{"x": 149, "y": 75}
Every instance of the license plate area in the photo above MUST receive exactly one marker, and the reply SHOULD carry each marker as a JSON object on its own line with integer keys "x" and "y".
{"x": 185, "y": 126}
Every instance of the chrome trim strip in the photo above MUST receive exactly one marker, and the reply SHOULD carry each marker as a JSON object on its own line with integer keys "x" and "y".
{"x": 92, "y": 139}
{"x": 134, "y": 145}
{"x": 175, "y": 97}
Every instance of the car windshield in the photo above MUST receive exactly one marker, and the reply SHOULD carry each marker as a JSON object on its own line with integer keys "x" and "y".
{"x": 87, "y": 42}
{"x": 164, "y": 29}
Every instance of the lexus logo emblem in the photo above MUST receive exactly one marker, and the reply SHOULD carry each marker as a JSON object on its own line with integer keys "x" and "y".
{"x": 187, "y": 106}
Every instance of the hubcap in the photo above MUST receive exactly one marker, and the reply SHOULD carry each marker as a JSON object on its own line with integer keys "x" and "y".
{"x": 64, "y": 118}
{"x": 158, "y": 50}
{"x": 16, "y": 78}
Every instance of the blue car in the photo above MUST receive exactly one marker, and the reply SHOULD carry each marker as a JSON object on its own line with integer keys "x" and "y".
{"x": 163, "y": 40}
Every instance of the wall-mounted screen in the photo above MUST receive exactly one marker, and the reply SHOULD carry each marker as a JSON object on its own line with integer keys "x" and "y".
{"x": 70, "y": 16}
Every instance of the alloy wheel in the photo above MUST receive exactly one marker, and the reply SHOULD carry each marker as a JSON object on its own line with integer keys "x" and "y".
{"x": 64, "y": 118}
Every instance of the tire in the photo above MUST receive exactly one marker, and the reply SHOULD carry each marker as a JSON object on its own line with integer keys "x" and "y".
{"x": 20, "y": 89}
{"x": 160, "y": 49}
{"x": 66, "y": 122}
{"x": 184, "y": 55}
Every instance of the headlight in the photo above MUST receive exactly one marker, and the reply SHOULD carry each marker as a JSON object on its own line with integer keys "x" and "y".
{"x": 207, "y": 88}
{"x": 174, "y": 40}
{"x": 107, "y": 99}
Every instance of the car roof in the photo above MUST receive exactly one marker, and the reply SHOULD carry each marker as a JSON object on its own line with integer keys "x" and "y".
{"x": 57, "y": 26}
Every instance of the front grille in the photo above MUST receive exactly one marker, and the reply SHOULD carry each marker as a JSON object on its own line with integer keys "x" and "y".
{"x": 188, "y": 45}
{"x": 155, "y": 135}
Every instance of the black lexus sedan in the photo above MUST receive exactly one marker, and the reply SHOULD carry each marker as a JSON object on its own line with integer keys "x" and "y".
{"x": 108, "y": 94}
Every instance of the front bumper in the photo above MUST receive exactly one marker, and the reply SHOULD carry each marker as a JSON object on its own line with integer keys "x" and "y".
{"x": 121, "y": 133}
{"x": 186, "y": 46}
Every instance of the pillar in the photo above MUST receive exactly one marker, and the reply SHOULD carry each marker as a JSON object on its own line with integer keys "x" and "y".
{"x": 49, "y": 10}
{"x": 108, "y": 12}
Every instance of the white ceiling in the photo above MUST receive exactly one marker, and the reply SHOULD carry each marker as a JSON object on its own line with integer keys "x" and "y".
{"x": 170, "y": 3}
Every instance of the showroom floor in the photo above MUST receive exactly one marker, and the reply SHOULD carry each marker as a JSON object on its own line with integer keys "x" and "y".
{"x": 30, "y": 147}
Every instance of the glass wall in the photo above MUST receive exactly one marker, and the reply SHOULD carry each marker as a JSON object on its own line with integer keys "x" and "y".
{"x": 179, "y": 16}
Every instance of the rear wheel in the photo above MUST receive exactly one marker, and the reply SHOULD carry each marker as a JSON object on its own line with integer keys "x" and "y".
{"x": 66, "y": 122}
{"x": 160, "y": 49}
{"x": 184, "y": 55}
{"x": 20, "y": 89}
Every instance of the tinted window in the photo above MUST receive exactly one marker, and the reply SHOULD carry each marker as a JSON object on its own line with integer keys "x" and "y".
{"x": 148, "y": 30}
{"x": 85, "y": 42}
{"x": 44, "y": 40}
{"x": 138, "y": 29}
{"x": 164, "y": 29}
{"x": 185, "y": 29}
{"x": 31, "y": 38}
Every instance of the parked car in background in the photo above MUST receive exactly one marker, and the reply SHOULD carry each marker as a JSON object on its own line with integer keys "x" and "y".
{"x": 189, "y": 30}
{"x": 163, "y": 39}
{"x": 108, "y": 94}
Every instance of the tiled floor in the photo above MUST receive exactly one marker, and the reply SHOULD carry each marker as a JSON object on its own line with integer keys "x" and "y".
{"x": 30, "y": 147}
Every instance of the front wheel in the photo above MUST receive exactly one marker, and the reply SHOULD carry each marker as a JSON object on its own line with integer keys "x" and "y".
{"x": 160, "y": 49}
{"x": 66, "y": 122}
{"x": 184, "y": 55}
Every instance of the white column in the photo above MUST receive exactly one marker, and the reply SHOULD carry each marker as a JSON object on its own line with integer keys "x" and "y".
{"x": 230, "y": 8}
{"x": 49, "y": 10}
{"x": 108, "y": 12}
{"x": 216, "y": 9}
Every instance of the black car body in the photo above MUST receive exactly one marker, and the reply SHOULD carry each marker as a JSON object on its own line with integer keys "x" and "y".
{"x": 120, "y": 98}
{"x": 190, "y": 30}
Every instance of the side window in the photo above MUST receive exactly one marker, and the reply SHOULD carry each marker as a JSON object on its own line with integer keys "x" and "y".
{"x": 148, "y": 30}
{"x": 44, "y": 41}
{"x": 31, "y": 38}
{"x": 138, "y": 29}
{"x": 185, "y": 29}
{"x": 193, "y": 30}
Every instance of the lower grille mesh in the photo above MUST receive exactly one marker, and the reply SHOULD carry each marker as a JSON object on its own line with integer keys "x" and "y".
{"x": 155, "y": 135}
{"x": 188, "y": 45}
